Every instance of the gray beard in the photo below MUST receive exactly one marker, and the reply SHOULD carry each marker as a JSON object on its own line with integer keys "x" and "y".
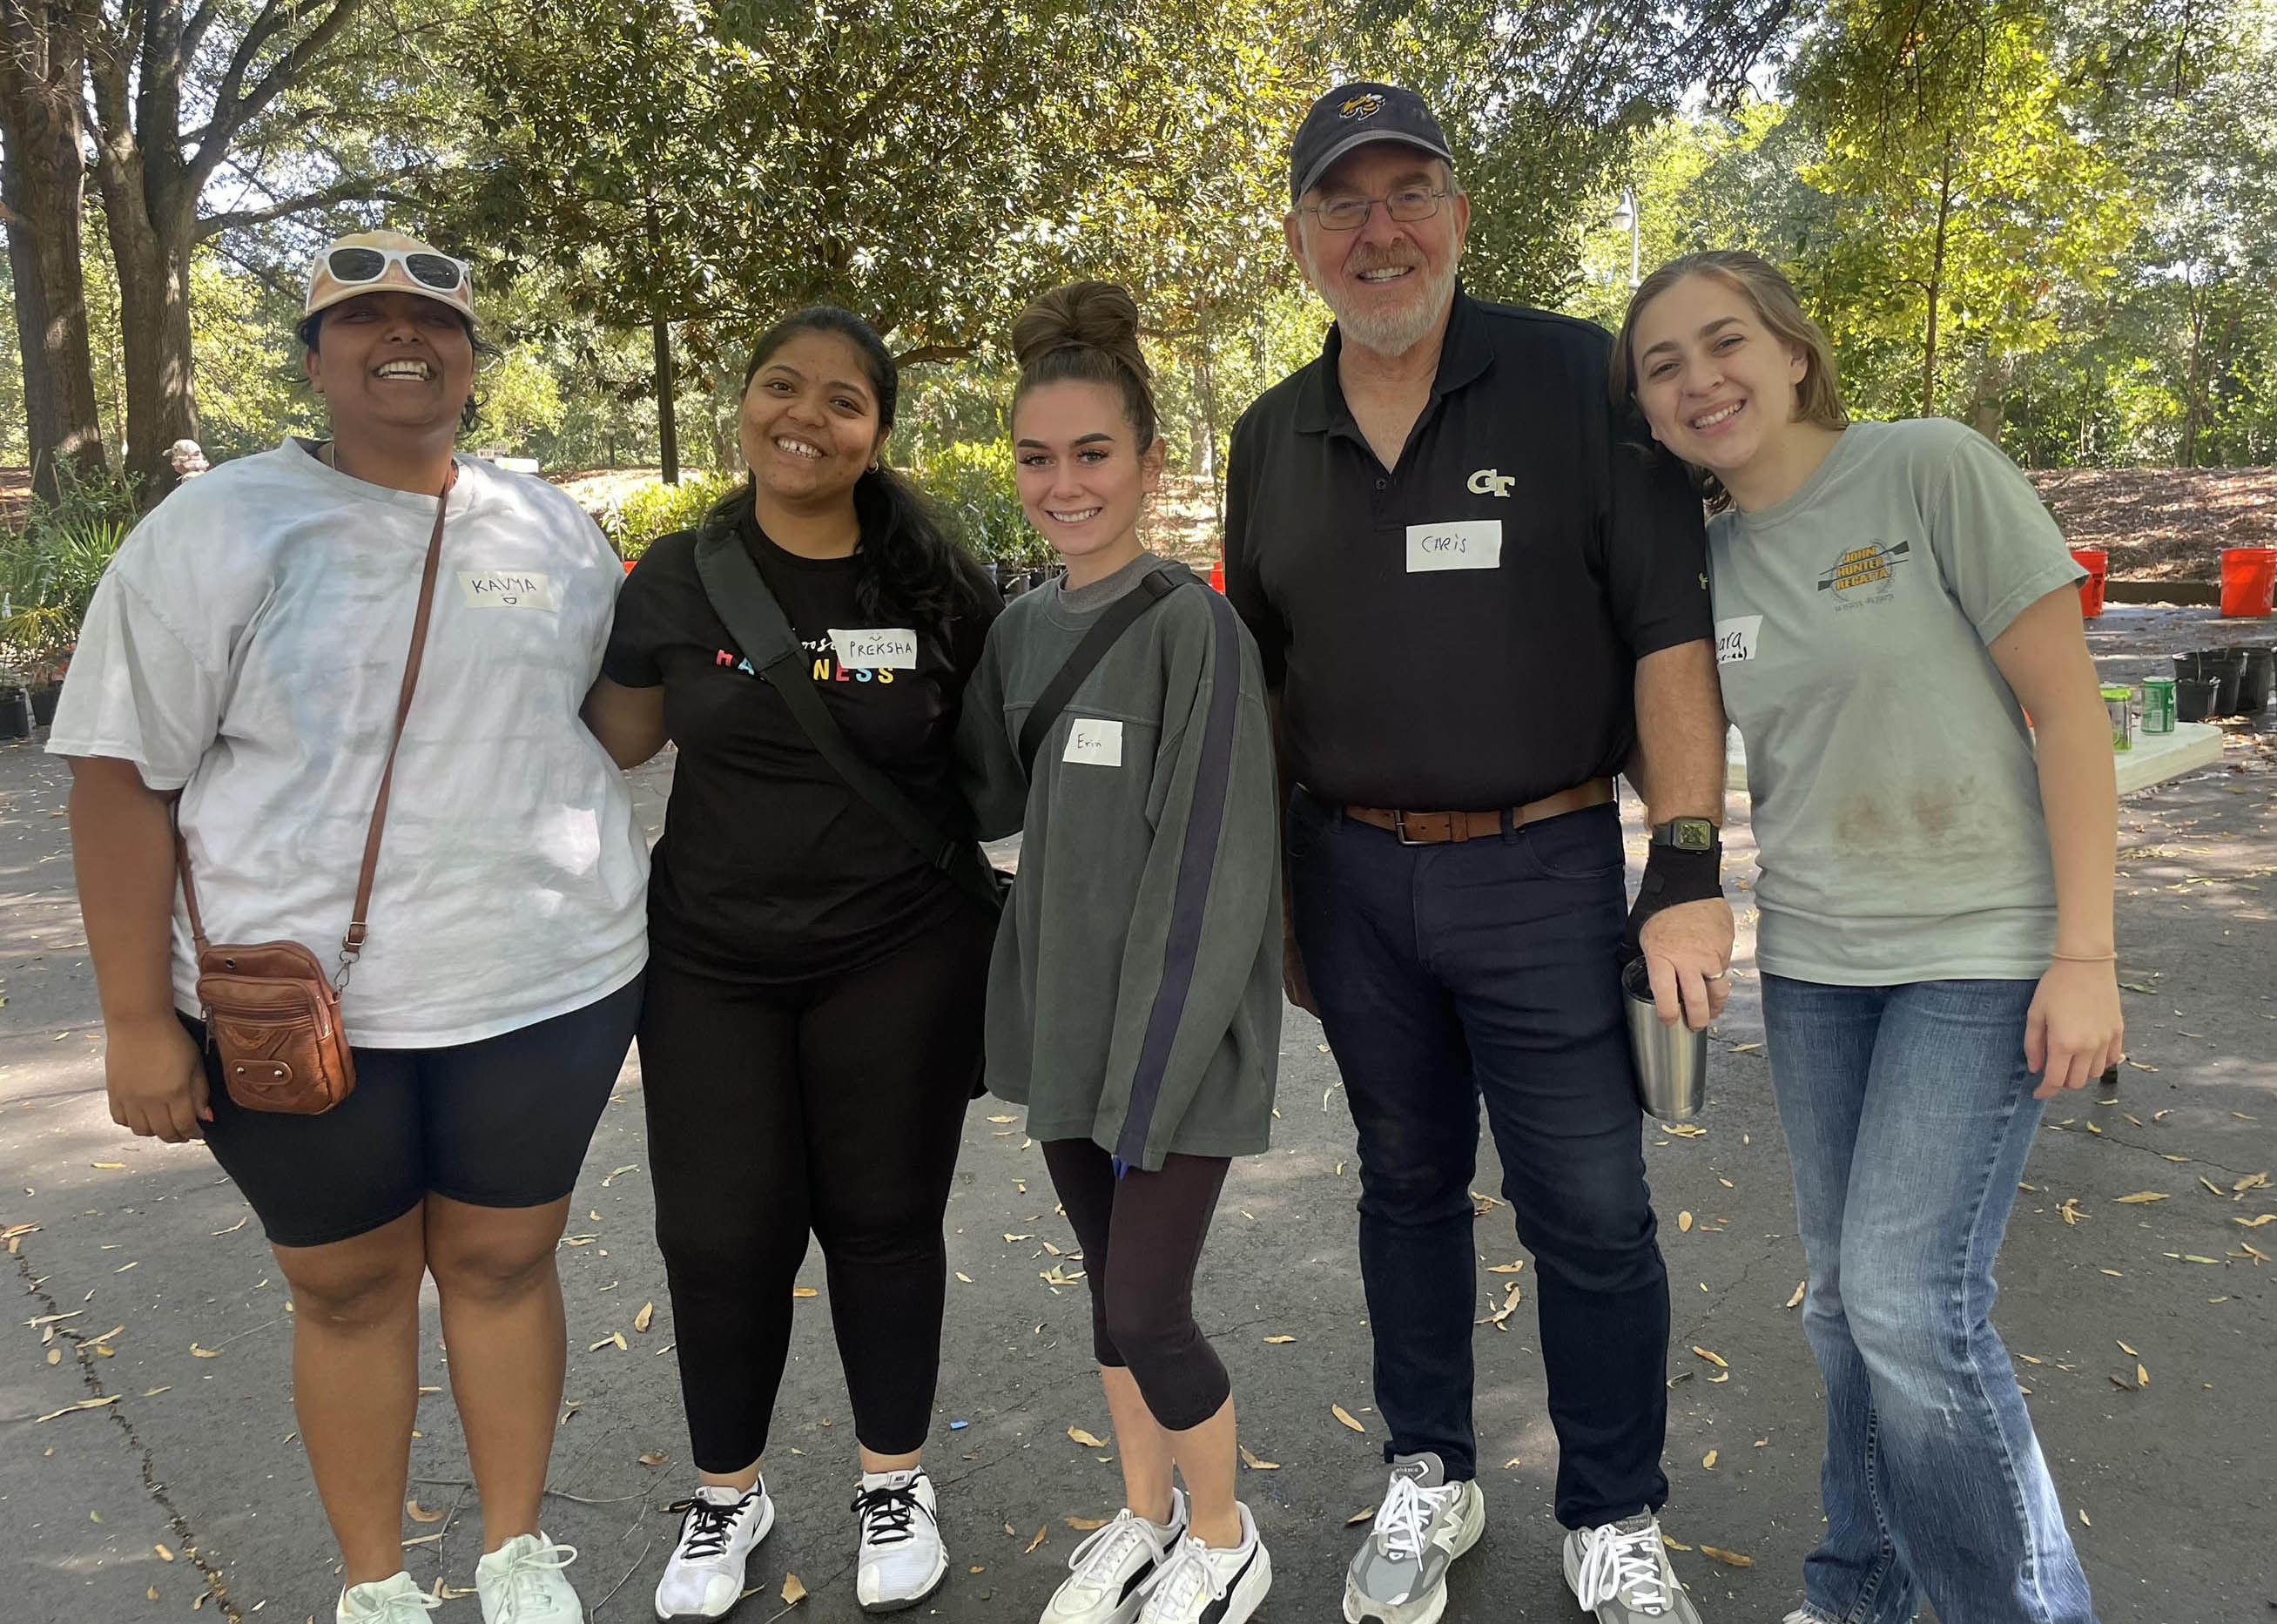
{"x": 1395, "y": 333}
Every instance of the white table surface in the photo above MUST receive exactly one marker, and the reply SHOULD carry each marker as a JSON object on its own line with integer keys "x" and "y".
{"x": 2155, "y": 758}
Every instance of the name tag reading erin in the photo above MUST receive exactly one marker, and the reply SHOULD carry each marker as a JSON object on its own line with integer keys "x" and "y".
{"x": 506, "y": 589}
{"x": 876, "y": 648}
{"x": 1094, "y": 743}
{"x": 1458, "y": 544}
{"x": 1736, "y": 638}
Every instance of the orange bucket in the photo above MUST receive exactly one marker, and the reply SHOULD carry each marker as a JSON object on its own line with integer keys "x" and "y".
{"x": 1217, "y": 574}
{"x": 2090, "y": 590}
{"x": 2249, "y": 575}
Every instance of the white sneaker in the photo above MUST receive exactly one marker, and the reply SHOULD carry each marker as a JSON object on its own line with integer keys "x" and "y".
{"x": 385, "y": 1601}
{"x": 1620, "y": 1574}
{"x": 1108, "y": 1573}
{"x": 522, "y": 1583}
{"x": 705, "y": 1577}
{"x": 901, "y": 1561}
{"x": 1200, "y": 1585}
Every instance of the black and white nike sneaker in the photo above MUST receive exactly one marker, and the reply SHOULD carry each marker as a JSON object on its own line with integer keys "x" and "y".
{"x": 705, "y": 1577}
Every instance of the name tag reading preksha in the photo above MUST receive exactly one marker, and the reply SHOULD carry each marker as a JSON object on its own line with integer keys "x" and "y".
{"x": 1458, "y": 543}
{"x": 506, "y": 589}
{"x": 876, "y": 648}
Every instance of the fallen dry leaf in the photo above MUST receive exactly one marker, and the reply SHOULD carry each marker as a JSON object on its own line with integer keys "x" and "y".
{"x": 2071, "y": 1210}
{"x": 1037, "y": 1540}
{"x": 2141, "y": 1198}
{"x": 417, "y": 1512}
{"x": 1717, "y": 1360}
{"x": 1506, "y": 1269}
{"x": 1708, "y": 1461}
{"x": 1796, "y": 1301}
{"x": 1278, "y": 1341}
{"x": 1003, "y": 1119}
{"x": 1730, "y": 1558}
{"x": 1084, "y": 1525}
{"x": 2125, "y": 1349}
{"x": 1254, "y": 1464}
{"x": 793, "y": 1591}
{"x": 1684, "y": 1222}
{"x": 2142, "y": 1376}
{"x": 645, "y": 1317}
{"x": 203, "y": 1353}
{"x": 165, "y": 1555}
{"x": 651, "y": 1459}
{"x": 1086, "y": 1438}
{"x": 1344, "y": 1415}
{"x": 1360, "y": 1517}
{"x": 808, "y": 1290}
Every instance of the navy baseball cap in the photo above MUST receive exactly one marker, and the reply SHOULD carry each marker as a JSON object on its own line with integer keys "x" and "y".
{"x": 1352, "y": 116}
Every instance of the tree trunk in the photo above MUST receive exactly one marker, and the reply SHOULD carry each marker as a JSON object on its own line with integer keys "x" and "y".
{"x": 667, "y": 424}
{"x": 42, "y": 65}
{"x": 1988, "y": 408}
{"x": 1937, "y": 279}
{"x": 152, "y": 234}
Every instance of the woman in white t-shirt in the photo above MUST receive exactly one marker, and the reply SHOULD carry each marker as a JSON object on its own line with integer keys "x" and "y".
{"x": 1935, "y": 934}
{"x": 239, "y": 674}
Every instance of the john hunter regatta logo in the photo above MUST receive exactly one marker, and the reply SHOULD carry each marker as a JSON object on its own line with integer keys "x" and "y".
{"x": 1863, "y": 574}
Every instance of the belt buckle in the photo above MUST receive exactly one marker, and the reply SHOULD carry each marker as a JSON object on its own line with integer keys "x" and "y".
{"x": 1399, "y": 828}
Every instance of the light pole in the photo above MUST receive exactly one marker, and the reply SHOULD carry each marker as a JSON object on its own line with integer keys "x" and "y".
{"x": 1625, "y": 217}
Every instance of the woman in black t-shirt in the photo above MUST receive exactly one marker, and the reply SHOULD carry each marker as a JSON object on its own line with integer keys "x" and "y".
{"x": 812, "y": 1024}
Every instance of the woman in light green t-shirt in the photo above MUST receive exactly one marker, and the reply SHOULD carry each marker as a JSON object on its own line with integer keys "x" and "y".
{"x": 1936, "y": 929}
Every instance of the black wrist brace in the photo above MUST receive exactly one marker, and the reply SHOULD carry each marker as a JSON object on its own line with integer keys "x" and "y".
{"x": 1672, "y": 876}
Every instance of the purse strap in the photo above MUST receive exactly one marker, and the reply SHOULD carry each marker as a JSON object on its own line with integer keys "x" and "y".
{"x": 739, "y": 596}
{"x": 351, "y": 943}
{"x": 1106, "y": 631}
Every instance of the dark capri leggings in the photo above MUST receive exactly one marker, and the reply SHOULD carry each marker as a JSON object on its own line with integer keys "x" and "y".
{"x": 1142, "y": 1238}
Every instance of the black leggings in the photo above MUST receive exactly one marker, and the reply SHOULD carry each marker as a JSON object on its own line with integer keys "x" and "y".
{"x": 1142, "y": 1238}
{"x": 834, "y": 1106}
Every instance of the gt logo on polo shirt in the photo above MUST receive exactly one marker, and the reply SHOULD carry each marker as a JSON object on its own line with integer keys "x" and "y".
{"x": 1491, "y": 482}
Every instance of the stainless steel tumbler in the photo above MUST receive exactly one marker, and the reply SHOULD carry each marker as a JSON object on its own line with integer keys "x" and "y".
{"x": 1671, "y": 1061}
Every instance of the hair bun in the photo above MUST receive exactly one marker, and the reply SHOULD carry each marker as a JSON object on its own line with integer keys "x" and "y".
{"x": 1097, "y": 316}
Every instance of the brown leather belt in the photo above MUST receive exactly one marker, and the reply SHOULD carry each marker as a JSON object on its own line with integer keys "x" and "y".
{"x": 1434, "y": 828}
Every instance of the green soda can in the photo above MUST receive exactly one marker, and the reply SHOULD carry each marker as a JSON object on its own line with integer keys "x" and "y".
{"x": 2115, "y": 701}
{"x": 2157, "y": 705}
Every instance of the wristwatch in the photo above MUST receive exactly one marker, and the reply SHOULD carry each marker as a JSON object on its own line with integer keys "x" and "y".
{"x": 1687, "y": 834}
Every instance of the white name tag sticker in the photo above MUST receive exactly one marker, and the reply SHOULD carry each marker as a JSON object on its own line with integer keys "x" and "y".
{"x": 1458, "y": 544}
{"x": 506, "y": 589}
{"x": 1094, "y": 743}
{"x": 876, "y": 648}
{"x": 1736, "y": 638}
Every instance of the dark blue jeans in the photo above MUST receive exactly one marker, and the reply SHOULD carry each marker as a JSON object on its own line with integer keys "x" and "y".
{"x": 1445, "y": 975}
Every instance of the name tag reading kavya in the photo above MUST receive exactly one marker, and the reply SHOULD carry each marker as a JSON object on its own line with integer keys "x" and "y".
{"x": 1094, "y": 742}
{"x": 506, "y": 589}
{"x": 876, "y": 648}
{"x": 1736, "y": 638}
{"x": 1458, "y": 543}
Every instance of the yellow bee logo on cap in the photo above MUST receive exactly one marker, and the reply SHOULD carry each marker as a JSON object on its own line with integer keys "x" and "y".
{"x": 1360, "y": 107}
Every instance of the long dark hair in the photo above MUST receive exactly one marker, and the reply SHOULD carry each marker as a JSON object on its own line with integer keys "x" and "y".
{"x": 907, "y": 564}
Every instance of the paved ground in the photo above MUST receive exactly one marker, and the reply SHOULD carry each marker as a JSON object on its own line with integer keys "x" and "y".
{"x": 183, "y": 1488}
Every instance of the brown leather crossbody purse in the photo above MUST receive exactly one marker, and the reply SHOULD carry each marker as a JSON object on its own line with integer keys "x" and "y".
{"x": 270, "y": 1011}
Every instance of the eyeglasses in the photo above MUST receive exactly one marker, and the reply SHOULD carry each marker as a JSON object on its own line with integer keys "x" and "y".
{"x": 1349, "y": 214}
{"x": 438, "y": 272}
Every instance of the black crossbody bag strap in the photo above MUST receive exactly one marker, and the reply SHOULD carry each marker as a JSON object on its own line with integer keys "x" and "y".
{"x": 740, "y": 597}
{"x": 1154, "y": 586}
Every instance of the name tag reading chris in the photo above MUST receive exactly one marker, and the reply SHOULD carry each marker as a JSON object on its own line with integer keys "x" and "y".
{"x": 1736, "y": 638}
{"x": 876, "y": 648}
{"x": 1094, "y": 742}
{"x": 1458, "y": 544}
{"x": 506, "y": 589}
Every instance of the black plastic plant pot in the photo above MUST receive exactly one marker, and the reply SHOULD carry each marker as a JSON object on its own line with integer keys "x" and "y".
{"x": 2225, "y": 666}
{"x": 2194, "y": 698}
{"x": 2188, "y": 666}
{"x": 2253, "y": 680}
{"x": 15, "y": 714}
{"x": 43, "y": 703}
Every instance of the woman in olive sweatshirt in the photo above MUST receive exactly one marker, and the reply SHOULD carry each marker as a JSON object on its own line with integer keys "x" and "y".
{"x": 1134, "y": 998}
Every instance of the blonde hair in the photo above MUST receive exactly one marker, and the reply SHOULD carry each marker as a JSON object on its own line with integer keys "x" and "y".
{"x": 1818, "y": 398}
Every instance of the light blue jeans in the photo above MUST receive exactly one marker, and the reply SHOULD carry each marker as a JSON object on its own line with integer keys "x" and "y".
{"x": 1908, "y": 1114}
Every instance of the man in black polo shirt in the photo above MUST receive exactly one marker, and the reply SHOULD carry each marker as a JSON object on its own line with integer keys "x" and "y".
{"x": 1475, "y": 604}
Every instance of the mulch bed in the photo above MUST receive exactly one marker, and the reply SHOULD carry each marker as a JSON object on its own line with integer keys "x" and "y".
{"x": 2163, "y": 524}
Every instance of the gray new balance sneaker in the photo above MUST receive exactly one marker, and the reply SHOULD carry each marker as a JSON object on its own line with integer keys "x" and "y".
{"x": 1621, "y": 1574}
{"x": 1399, "y": 1575}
